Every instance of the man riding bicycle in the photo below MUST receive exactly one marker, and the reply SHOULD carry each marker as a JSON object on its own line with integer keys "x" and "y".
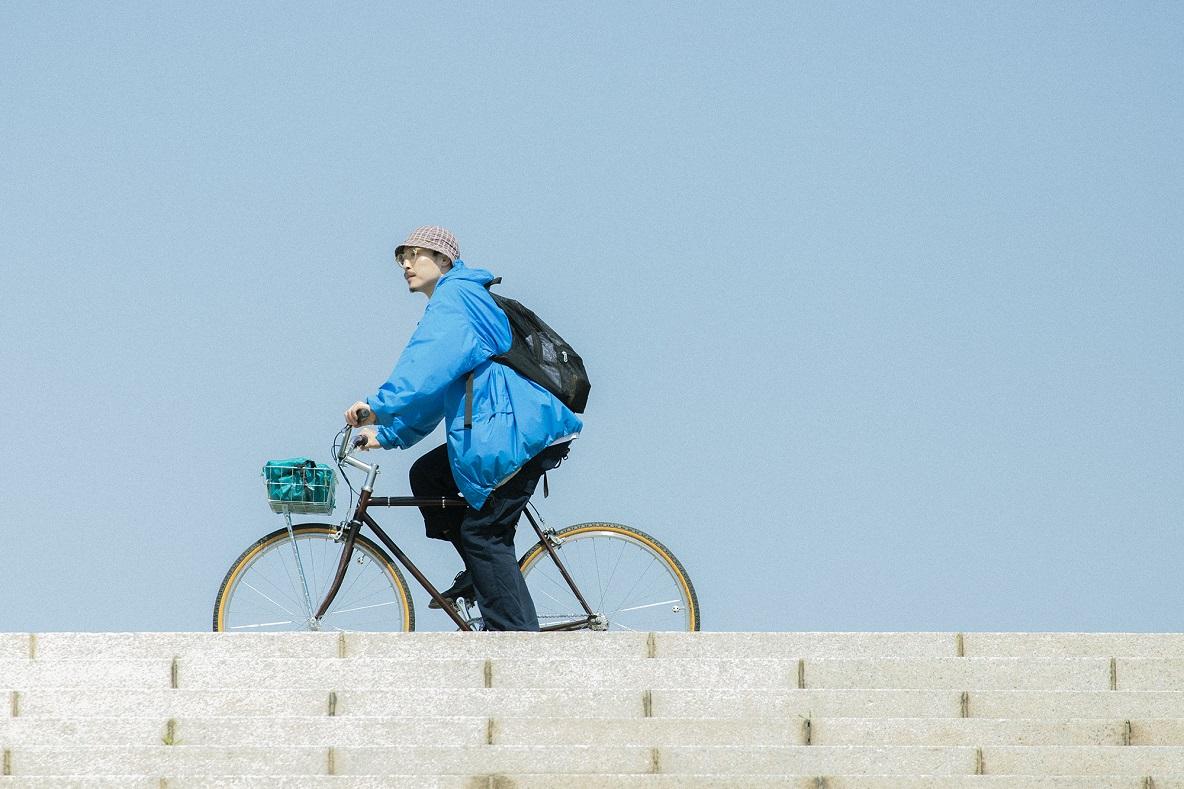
{"x": 517, "y": 430}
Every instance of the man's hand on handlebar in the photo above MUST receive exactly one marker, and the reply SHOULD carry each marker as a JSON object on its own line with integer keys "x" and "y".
{"x": 359, "y": 414}
{"x": 367, "y": 434}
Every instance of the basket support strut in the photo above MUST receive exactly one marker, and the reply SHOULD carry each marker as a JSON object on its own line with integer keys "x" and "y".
{"x": 300, "y": 569}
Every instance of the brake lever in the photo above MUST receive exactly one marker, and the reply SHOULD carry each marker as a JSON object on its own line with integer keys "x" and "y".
{"x": 362, "y": 416}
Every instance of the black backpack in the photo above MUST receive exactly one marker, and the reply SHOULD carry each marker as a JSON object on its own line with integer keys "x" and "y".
{"x": 537, "y": 352}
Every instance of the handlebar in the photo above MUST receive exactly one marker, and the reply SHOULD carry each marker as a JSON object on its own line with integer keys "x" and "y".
{"x": 346, "y": 445}
{"x": 347, "y": 448}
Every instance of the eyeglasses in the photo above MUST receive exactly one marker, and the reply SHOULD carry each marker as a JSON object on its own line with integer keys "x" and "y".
{"x": 408, "y": 254}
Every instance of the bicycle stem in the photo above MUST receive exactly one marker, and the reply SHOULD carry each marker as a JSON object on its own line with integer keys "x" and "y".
{"x": 371, "y": 471}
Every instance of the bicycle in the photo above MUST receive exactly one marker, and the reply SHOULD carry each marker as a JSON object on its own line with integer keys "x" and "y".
{"x": 635, "y": 582}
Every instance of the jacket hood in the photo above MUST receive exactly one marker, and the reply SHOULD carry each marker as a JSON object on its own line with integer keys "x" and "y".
{"x": 460, "y": 271}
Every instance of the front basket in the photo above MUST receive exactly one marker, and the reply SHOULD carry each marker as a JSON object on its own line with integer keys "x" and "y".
{"x": 300, "y": 486}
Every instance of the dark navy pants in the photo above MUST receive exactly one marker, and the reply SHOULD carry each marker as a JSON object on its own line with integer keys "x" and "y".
{"x": 484, "y": 538}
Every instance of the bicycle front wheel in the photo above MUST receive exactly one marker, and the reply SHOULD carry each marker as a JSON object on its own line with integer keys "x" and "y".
{"x": 277, "y": 584}
{"x": 629, "y": 579}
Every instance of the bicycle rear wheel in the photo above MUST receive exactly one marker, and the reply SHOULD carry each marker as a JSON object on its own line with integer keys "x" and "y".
{"x": 264, "y": 590}
{"x": 630, "y": 580}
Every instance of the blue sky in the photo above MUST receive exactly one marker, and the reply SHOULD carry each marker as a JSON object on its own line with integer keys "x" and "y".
{"x": 881, "y": 304}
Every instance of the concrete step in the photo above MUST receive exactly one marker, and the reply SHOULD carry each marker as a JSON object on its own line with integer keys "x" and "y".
{"x": 199, "y": 761}
{"x": 642, "y": 732}
{"x": 211, "y": 672}
{"x": 1082, "y": 760}
{"x": 837, "y": 732}
{"x": 839, "y": 673}
{"x": 960, "y": 673}
{"x": 837, "y": 703}
{"x": 987, "y": 731}
{"x": 637, "y": 673}
{"x": 487, "y": 759}
{"x": 1147, "y": 645}
{"x": 604, "y": 781}
{"x": 57, "y": 646}
{"x": 425, "y": 702}
{"x": 661, "y": 709}
{"x": 919, "y": 645}
{"x": 607, "y": 703}
{"x": 609, "y": 781}
{"x": 406, "y": 646}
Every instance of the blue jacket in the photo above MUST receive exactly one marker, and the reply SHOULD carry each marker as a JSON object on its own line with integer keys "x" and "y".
{"x": 513, "y": 418}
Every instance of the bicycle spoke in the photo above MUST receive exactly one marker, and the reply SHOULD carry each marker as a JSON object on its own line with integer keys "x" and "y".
{"x": 546, "y": 575}
{"x": 279, "y": 590}
{"x": 262, "y": 624}
{"x": 326, "y": 575}
{"x": 647, "y": 605}
{"x": 303, "y": 576}
{"x": 280, "y": 593}
{"x": 599, "y": 583}
{"x": 615, "y": 567}
{"x": 629, "y": 594}
{"x": 371, "y": 598}
{"x": 291, "y": 581}
{"x": 553, "y": 597}
{"x": 355, "y": 591}
{"x": 312, "y": 558}
{"x": 273, "y": 602}
{"x": 613, "y": 574}
{"x": 376, "y": 605}
{"x": 353, "y": 579}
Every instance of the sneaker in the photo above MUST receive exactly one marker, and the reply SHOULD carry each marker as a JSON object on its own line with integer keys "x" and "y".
{"x": 462, "y": 586}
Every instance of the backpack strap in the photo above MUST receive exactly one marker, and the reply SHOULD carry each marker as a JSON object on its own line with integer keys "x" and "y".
{"x": 469, "y": 380}
{"x": 469, "y": 401}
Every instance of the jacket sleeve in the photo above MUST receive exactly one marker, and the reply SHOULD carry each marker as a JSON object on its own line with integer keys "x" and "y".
{"x": 444, "y": 347}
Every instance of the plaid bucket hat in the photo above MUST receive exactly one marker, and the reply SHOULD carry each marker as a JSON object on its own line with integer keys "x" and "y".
{"x": 432, "y": 237}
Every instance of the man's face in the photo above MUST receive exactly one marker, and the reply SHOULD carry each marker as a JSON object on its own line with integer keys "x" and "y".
{"x": 421, "y": 269}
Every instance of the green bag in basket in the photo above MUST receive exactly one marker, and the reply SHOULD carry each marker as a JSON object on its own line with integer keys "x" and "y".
{"x": 299, "y": 481}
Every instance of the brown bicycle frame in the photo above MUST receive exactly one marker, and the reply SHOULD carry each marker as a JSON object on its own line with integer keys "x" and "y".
{"x": 361, "y": 516}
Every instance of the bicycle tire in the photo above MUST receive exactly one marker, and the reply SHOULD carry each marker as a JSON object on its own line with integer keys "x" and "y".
{"x": 579, "y": 549}
{"x": 403, "y": 617}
